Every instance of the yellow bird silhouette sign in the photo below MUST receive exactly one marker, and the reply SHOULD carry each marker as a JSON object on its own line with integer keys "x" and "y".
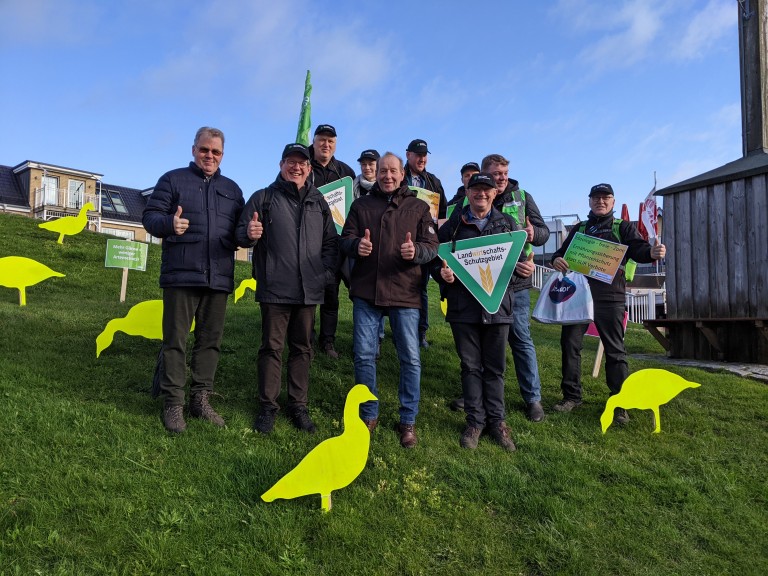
{"x": 69, "y": 225}
{"x": 332, "y": 464}
{"x": 20, "y": 273}
{"x": 144, "y": 319}
{"x": 646, "y": 390}
{"x": 244, "y": 285}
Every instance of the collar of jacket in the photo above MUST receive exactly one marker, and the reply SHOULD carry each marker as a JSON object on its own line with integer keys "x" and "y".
{"x": 397, "y": 196}
{"x": 595, "y": 220}
{"x": 428, "y": 178}
{"x": 195, "y": 169}
{"x": 290, "y": 188}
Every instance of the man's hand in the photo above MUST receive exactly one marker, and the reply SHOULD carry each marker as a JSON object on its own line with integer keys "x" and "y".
{"x": 446, "y": 273}
{"x": 526, "y": 268}
{"x": 658, "y": 250}
{"x": 180, "y": 224}
{"x": 365, "y": 247}
{"x": 560, "y": 265}
{"x": 407, "y": 249}
{"x": 255, "y": 228}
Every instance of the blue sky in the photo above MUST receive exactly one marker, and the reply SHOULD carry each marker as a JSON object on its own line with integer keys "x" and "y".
{"x": 573, "y": 92}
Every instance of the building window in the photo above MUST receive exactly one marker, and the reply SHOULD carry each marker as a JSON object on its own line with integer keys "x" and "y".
{"x": 75, "y": 193}
{"x": 50, "y": 190}
{"x": 112, "y": 201}
{"x": 127, "y": 234}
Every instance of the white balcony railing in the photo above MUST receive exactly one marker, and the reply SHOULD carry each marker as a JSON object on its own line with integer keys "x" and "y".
{"x": 63, "y": 198}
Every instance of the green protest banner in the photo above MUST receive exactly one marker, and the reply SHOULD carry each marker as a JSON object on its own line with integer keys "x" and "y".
{"x": 485, "y": 265}
{"x": 126, "y": 254}
{"x": 595, "y": 257}
{"x": 339, "y": 196}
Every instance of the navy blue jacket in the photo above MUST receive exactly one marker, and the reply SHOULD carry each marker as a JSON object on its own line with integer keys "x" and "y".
{"x": 205, "y": 254}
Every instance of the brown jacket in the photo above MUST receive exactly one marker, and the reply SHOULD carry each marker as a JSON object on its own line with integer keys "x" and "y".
{"x": 384, "y": 278}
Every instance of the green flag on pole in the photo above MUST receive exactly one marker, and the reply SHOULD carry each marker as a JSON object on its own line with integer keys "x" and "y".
{"x": 305, "y": 118}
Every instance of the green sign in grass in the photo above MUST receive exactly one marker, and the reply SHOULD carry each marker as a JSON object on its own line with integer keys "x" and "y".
{"x": 126, "y": 254}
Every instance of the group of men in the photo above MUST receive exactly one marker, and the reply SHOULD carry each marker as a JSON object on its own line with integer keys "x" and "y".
{"x": 386, "y": 252}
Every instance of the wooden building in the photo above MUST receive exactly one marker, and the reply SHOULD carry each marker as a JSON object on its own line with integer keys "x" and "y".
{"x": 716, "y": 232}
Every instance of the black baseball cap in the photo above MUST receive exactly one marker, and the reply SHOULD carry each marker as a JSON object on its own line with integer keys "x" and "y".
{"x": 601, "y": 190}
{"x": 481, "y": 179}
{"x": 325, "y": 129}
{"x": 418, "y": 146}
{"x": 369, "y": 154}
{"x": 295, "y": 149}
{"x": 470, "y": 166}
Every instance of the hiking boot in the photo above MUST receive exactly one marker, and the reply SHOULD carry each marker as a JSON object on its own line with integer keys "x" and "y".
{"x": 200, "y": 408}
{"x": 534, "y": 411}
{"x": 330, "y": 351}
{"x": 500, "y": 435}
{"x": 457, "y": 405}
{"x": 265, "y": 421}
{"x": 620, "y": 416}
{"x": 566, "y": 405}
{"x": 407, "y": 435}
{"x": 470, "y": 437}
{"x": 301, "y": 420}
{"x": 371, "y": 424}
{"x": 173, "y": 419}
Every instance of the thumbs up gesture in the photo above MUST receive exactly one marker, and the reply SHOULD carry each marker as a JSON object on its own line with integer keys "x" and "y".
{"x": 446, "y": 273}
{"x": 407, "y": 249}
{"x": 255, "y": 228}
{"x": 180, "y": 224}
{"x": 528, "y": 229}
{"x": 365, "y": 247}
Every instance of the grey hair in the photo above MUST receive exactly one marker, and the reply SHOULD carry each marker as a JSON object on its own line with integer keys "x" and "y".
{"x": 392, "y": 155}
{"x": 209, "y": 132}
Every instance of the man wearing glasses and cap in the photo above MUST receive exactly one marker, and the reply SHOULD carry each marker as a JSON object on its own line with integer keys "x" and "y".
{"x": 292, "y": 266}
{"x": 326, "y": 168}
{"x": 416, "y": 175}
{"x": 609, "y": 300}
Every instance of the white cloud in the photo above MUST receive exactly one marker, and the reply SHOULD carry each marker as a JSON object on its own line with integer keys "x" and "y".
{"x": 44, "y": 22}
{"x": 706, "y": 28}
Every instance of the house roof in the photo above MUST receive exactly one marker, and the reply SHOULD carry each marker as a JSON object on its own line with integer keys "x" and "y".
{"x": 10, "y": 191}
{"x": 752, "y": 165}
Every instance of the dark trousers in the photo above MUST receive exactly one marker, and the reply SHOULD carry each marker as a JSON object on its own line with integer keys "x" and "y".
{"x": 329, "y": 313}
{"x": 482, "y": 350}
{"x": 609, "y": 318}
{"x": 278, "y": 323}
{"x": 180, "y": 306}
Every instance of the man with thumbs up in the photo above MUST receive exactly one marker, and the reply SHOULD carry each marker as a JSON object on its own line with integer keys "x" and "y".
{"x": 390, "y": 234}
{"x": 194, "y": 210}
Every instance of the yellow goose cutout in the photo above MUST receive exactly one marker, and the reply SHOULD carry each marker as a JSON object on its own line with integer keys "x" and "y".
{"x": 69, "y": 225}
{"x": 143, "y": 319}
{"x": 240, "y": 290}
{"x": 19, "y": 272}
{"x": 332, "y": 464}
{"x": 646, "y": 390}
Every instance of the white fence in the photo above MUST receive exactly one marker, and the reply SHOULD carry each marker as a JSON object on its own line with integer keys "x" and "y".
{"x": 641, "y": 304}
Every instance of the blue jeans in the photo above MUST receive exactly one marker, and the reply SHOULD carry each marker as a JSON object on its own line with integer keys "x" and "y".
{"x": 523, "y": 351}
{"x": 405, "y": 330}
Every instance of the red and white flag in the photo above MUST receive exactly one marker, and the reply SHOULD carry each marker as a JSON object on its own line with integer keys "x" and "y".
{"x": 649, "y": 215}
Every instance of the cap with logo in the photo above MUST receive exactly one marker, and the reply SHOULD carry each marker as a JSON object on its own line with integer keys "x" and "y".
{"x": 481, "y": 179}
{"x": 325, "y": 129}
{"x": 295, "y": 149}
{"x": 418, "y": 146}
{"x": 369, "y": 154}
{"x": 470, "y": 166}
{"x": 601, "y": 190}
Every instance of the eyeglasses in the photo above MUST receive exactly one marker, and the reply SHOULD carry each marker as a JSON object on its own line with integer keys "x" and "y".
{"x": 204, "y": 150}
{"x": 291, "y": 163}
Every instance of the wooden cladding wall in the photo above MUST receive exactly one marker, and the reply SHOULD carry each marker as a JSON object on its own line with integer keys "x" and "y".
{"x": 717, "y": 267}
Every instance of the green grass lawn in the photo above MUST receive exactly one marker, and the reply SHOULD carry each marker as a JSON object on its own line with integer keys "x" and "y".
{"x": 90, "y": 483}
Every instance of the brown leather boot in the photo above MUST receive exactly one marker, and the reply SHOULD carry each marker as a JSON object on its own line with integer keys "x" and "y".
{"x": 407, "y": 435}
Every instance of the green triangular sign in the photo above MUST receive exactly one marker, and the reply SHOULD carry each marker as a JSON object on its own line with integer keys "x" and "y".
{"x": 485, "y": 265}
{"x": 339, "y": 196}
